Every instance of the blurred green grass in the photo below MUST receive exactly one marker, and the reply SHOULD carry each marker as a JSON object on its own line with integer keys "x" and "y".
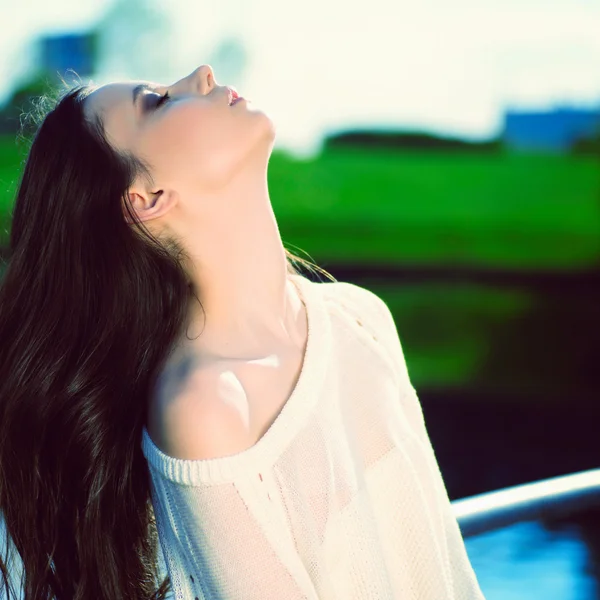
{"x": 497, "y": 211}
{"x": 508, "y": 211}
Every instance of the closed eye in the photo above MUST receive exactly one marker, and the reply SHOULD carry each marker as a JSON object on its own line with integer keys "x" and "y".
{"x": 162, "y": 100}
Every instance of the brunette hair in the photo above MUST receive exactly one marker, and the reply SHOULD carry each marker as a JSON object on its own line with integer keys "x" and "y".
{"x": 90, "y": 309}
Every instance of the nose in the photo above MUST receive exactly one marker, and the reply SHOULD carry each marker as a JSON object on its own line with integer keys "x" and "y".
{"x": 203, "y": 78}
{"x": 199, "y": 81}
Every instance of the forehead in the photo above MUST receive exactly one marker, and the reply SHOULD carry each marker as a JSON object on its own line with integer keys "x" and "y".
{"x": 113, "y": 104}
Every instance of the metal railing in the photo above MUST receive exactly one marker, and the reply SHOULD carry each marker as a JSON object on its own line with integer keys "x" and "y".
{"x": 555, "y": 497}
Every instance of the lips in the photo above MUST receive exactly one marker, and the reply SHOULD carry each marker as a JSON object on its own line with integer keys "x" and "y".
{"x": 233, "y": 95}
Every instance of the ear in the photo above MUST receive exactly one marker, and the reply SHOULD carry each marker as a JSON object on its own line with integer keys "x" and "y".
{"x": 149, "y": 205}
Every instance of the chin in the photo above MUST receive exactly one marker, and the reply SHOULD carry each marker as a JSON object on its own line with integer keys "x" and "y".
{"x": 270, "y": 130}
{"x": 265, "y": 131}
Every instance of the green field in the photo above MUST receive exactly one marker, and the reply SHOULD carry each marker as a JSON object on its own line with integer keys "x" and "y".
{"x": 506, "y": 211}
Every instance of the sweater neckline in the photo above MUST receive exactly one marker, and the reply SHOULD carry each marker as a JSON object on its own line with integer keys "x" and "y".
{"x": 291, "y": 418}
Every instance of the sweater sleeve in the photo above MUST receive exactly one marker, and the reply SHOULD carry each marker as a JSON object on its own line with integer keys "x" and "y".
{"x": 462, "y": 575}
{"x": 216, "y": 549}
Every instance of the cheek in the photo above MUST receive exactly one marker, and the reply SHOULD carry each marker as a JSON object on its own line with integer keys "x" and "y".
{"x": 201, "y": 136}
{"x": 202, "y": 145}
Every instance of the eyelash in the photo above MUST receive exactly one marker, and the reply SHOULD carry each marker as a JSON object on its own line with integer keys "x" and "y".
{"x": 162, "y": 100}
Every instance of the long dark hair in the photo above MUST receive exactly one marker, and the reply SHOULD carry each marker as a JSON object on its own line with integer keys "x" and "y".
{"x": 90, "y": 309}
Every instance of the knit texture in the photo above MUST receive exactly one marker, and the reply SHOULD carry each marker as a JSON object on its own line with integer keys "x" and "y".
{"x": 341, "y": 499}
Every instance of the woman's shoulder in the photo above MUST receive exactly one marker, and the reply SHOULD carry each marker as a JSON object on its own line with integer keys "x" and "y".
{"x": 361, "y": 300}
{"x": 370, "y": 312}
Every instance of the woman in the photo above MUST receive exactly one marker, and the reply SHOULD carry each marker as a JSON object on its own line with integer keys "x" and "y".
{"x": 279, "y": 452}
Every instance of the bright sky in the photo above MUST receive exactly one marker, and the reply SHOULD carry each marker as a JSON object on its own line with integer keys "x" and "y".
{"x": 320, "y": 65}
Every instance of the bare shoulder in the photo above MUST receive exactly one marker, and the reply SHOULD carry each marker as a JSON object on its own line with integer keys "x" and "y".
{"x": 204, "y": 420}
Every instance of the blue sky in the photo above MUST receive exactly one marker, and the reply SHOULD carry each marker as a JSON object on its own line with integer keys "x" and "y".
{"x": 320, "y": 65}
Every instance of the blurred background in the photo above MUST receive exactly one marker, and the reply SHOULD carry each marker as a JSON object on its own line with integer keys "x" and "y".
{"x": 446, "y": 155}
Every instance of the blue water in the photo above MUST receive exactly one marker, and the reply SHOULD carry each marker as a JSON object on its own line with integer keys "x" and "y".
{"x": 527, "y": 562}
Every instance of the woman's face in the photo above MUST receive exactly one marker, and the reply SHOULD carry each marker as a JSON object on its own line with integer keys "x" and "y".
{"x": 193, "y": 140}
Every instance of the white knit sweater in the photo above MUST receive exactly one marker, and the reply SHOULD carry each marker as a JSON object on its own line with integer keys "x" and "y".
{"x": 341, "y": 499}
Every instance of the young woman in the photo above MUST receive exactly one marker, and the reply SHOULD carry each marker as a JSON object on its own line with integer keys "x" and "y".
{"x": 279, "y": 452}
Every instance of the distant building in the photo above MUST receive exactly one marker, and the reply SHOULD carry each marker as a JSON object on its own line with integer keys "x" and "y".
{"x": 74, "y": 51}
{"x": 553, "y": 131}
